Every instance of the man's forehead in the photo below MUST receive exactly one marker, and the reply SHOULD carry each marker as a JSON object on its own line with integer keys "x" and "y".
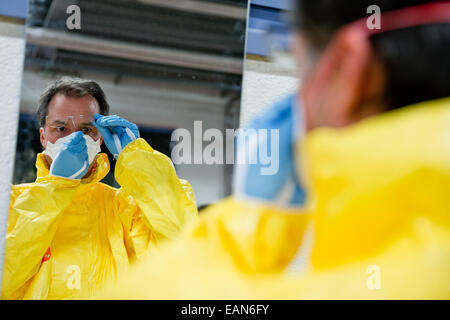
{"x": 62, "y": 107}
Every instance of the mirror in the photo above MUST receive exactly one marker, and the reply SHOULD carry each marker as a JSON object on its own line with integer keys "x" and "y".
{"x": 162, "y": 65}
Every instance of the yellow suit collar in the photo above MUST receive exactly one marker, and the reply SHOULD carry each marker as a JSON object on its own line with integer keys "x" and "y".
{"x": 371, "y": 182}
{"x": 99, "y": 171}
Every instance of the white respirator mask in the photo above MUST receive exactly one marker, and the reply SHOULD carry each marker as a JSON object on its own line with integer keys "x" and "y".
{"x": 93, "y": 147}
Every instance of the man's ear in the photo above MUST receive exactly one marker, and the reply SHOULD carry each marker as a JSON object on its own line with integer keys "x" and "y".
{"x": 333, "y": 91}
{"x": 42, "y": 138}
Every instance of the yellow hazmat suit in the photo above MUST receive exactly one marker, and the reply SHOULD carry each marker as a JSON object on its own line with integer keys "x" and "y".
{"x": 66, "y": 237}
{"x": 378, "y": 205}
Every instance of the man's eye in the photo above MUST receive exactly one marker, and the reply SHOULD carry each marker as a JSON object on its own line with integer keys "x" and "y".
{"x": 86, "y": 130}
{"x": 60, "y": 129}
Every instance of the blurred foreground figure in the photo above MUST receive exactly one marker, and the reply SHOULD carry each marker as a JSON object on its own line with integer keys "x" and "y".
{"x": 68, "y": 233}
{"x": 374, "y": 164}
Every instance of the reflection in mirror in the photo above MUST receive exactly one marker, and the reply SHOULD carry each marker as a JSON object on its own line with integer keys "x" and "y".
{"x": 116, "y": 80}
{"x": 162, "y": 65}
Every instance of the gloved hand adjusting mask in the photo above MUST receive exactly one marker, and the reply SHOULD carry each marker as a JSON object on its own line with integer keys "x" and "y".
{"x": 93, "y": 147}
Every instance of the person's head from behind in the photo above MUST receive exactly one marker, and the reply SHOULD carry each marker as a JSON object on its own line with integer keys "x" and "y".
{"x": 68, "y": 105}
{"x": 347, "y": 75}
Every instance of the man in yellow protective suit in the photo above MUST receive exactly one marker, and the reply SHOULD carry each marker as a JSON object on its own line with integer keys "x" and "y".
{"x": 374, "y": 164}
{"x": 67, "y": 232}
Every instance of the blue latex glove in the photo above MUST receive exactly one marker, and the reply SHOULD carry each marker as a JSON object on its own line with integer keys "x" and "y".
{"x": 283, "y": 187}
{"x": 116, "y": 132}
{"x": 72, "y": 161}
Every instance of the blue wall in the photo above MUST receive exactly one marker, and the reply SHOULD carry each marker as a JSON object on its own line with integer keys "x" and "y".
{"x": 267, "y": 26}
{"x": 14, "y": 8}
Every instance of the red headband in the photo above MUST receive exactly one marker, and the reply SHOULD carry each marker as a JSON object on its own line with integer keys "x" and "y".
{"x": 428, "y": 13}
{"x": 434, "y": 12}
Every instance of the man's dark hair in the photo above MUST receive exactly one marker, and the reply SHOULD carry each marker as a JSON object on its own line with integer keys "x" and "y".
{"x": 73, "y": 88}
{"x": 416, "y": 59}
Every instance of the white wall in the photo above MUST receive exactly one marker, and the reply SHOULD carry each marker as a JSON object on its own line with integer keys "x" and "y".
{"x": 263, "y": 84}
{"x": 11, "y": 59}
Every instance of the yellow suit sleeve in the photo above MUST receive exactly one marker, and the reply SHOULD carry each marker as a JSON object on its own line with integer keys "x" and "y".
{"x": 223, "y": 259}
{"x": 33, "y": 215}
{"x": 232, "y": 243}
{"x": 258, "y": 238}
{"x": 165, "y": 202}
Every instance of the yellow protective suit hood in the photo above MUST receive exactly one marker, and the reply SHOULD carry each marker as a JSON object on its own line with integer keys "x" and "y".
{"x": 67, "y": 237}
{"x": 378, "y": 206}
